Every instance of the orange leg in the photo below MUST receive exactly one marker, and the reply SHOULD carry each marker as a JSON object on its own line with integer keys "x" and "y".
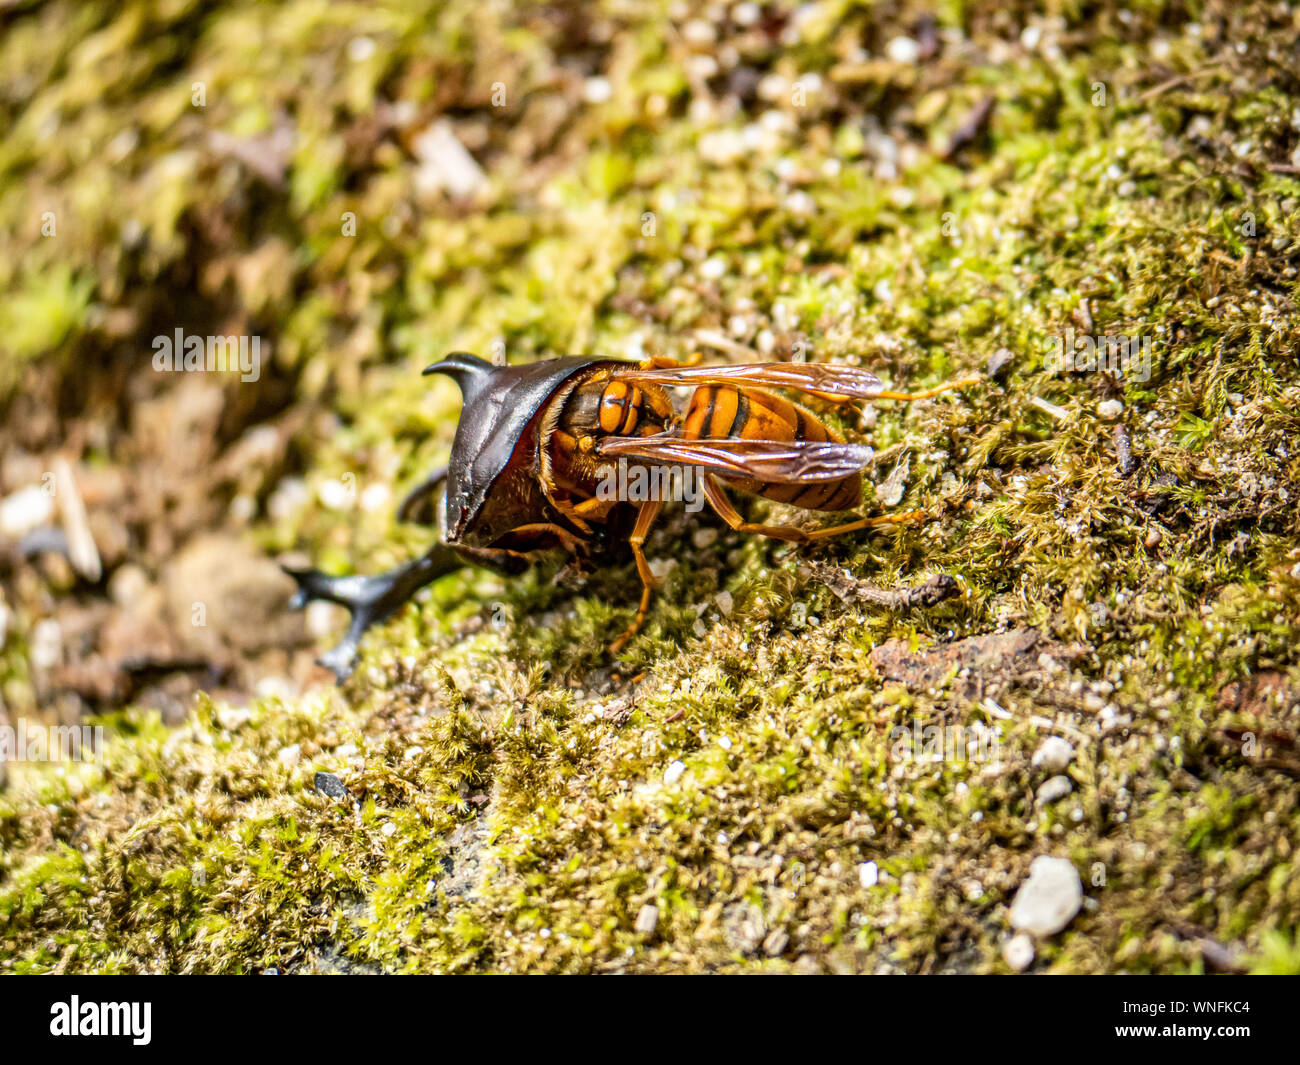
{"x": 567, "y": 539}
{"x": 644, "y": 519}
{"x": 912, "y": 397}
{"x": 717, "y": 497}
{"x": 667, "y": 362}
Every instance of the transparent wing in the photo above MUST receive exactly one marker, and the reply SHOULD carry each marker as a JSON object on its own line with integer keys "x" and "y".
{"x": 793, "y": 462}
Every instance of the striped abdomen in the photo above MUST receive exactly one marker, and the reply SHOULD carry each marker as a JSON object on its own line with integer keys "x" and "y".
{"x": 721, "y": 411}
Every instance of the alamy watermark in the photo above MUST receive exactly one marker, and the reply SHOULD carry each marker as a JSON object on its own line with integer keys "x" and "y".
{"x": 643, "y": 483}
{"x": 49, "y": 743}
{"x": 77, "y": 1018}
{"x": 1084, "y": 353}
{"x": 943, "y": 743}
{"x": 194, "y": 353}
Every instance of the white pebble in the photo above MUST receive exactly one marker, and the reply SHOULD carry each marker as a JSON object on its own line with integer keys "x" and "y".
{"x": 800, "y": 203}
{"x": 361, "y": 48}
{"x": 1057, "y": 787}
{"x": 1018, "y": 952}
{"x": 320, "y": 618}
{"x": 1048, "y": 899}
{"x": 1054, "y": 754}
{"x": 26, "y": 509}
{"x": 233, "y": 718}
{"x": 647, "y": 919}
{"x": 335, "y": 494}
{"x": 903, "y": 50}
{"x": 674, "y": 772}
{"x": 714, "y": 268}
{"x": 868, "y": 874}
{"x": 47, "y": 644}
{"x": 1110, "y": 408}
{"x": 597, "y": 90}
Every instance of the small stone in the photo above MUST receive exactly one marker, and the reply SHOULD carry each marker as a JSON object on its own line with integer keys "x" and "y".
{"x": 1057, "y": 787}
{"x": 1018, "y": 952}
{"x": 329, "y": 785}
{"x": 1153, "y": 538}
{"x": 128, "y": 585}
{"x": 674, "y": 772}
{"x": 661, "y": 567}
{"x": 1048, "y": 899}
{"x": 699, "y": 33}
{"x": 389, "y": 829}
{"x": 714, "y": 268}
{"x": 776, "y": 942}
{"x": 647, "y": 919}
{"x": 444, "y": 164}
{"x": 26, "y": 509}
{"x": 320, "y": 618}
{"x": 704, "y": 537}
{"x": 361, "y": 48}
{"x": 743, "y": 927}
{"x": 998, "y": 362}
{"x": 725, "y": 602}
{"x": 800, "y": 203}
{"x": 1110, "y": 409}
{"x": 903, "y": 50}
{"x": 335, "y": 494}
{"x": 291, "y": 755}
{"x": 1054, "y": 754}
{"x": 233, "y": 718}
{"x": 597, "y": 90}
{"x": 46, "y": 648}
{"x": 868, "y": 874}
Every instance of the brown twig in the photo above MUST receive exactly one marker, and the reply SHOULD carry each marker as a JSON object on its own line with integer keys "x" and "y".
{"x": 849, "y": 588}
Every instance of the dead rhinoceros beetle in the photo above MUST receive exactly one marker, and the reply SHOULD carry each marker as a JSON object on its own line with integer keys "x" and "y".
{"x": 537, "y": 445}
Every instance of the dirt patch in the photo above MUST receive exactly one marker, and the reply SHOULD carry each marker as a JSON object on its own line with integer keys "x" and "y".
{"x": 978, "y": 665}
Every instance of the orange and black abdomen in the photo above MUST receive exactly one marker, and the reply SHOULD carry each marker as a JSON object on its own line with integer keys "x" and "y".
{"x": 721, "y": 411}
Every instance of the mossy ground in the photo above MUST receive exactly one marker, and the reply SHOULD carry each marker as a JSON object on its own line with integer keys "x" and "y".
{"x": 798, "y": 185}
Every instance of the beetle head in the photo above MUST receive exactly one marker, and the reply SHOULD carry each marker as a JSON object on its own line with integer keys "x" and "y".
{"x": 499, "y": 402}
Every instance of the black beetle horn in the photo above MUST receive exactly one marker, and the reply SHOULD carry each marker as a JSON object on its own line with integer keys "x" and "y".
{"x": 470, "y": 373}
{"x": 462, "y": 367}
